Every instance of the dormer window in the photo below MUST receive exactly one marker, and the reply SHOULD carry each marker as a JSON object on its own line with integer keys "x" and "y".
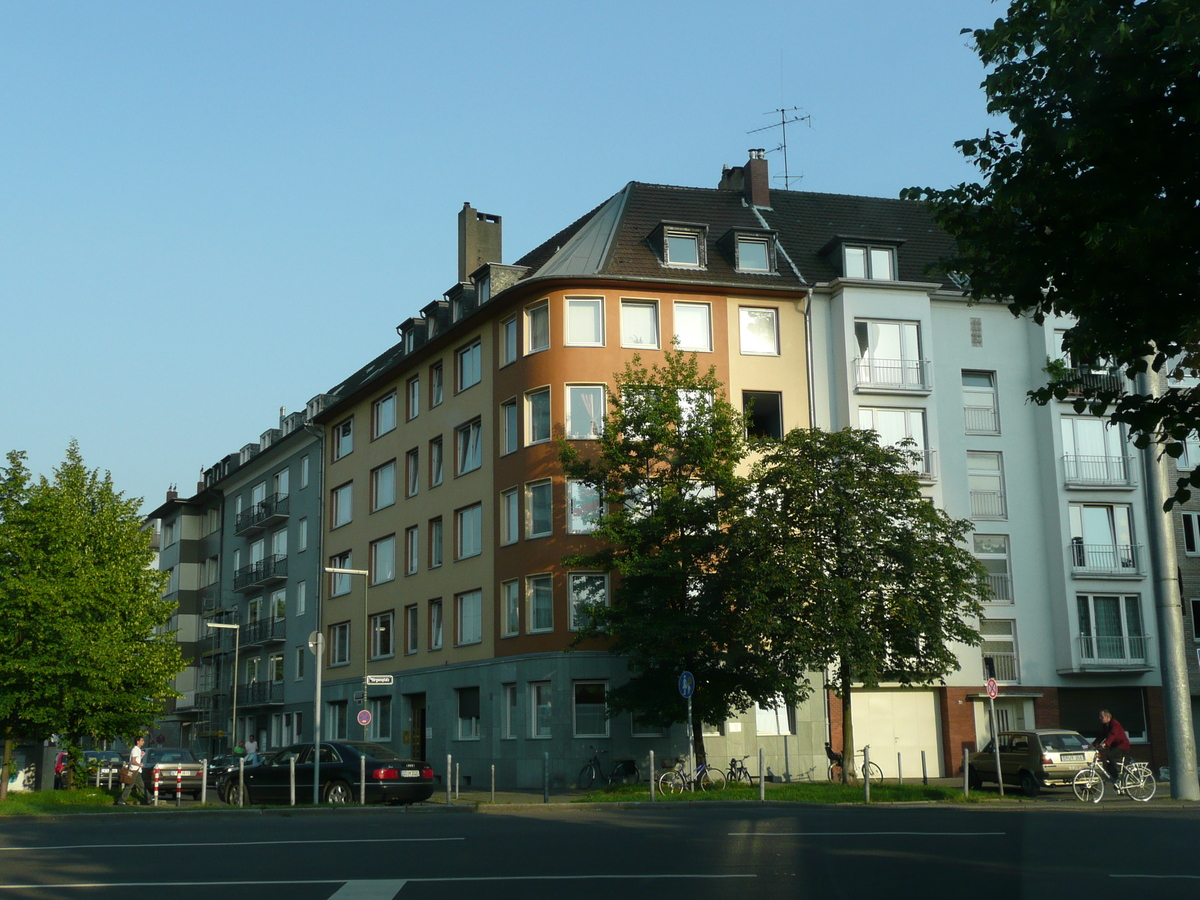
{"x": 680, "y": 244}
{"x": 409, "y": 340}
{"x": 683, "y": 249}
{"x": 874, "y": 263}
{"x": 753, "y": 255}
{"x": 483, "y": 288}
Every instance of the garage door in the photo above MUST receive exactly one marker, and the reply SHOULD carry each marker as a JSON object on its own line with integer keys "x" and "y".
{"x": 904, "y": 722}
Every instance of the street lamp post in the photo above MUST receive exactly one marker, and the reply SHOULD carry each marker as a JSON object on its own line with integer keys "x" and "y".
{"x": 237, "y": 640}
{"x": 366, "y": 626}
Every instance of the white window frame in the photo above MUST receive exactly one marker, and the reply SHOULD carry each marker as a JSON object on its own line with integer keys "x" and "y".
{"x": 697, "y": 240}
{"x": 437, "y": 462}
{"x": 579, "y": 497}
{"x": 412, "y": 629}
{"x": 469, "y": 524}
{"x": 595, "y": 421}
{"x": 704, "y": 346}
{"x": 304, "y": 472}
{"x": 541, "y": 727}
{"x": 575, "y": 686}
{"x": 377, "y": 731}
{"x": 633, "y": 341}
{"x": 436, "y": 543}
{"x": 468, "y": 364}
{"x": 412, "y": 400}
{"x": 533, "y": 340}
{"x": 301, "y": 597}
{"x": 510, "y": 427}
{"x": 508, "y": 341}
{"x": 1000, "y": 637}
{"x": 437, "y": 624}
{"x": 412, "y": 472}
{"x": 872, "y": 255}
{"x": 575, "y": 305}
{"x": 412, "y": 549}
{"x": 383, "y": 560}
{"x": 468, "y": 440}
{"x": 383, "y": 486}
{"x": 543, "y": 436}
{"x": 993, "y": 556}
{"x": 339, "y": 583}
{"x": 511, "y": 713}
{"x": 382, "y": 421}
{"x": 539, "y": 498}
{"x": 341, "y": 510}
{"x": 765, "y": 243}
{"x": 437, "y": 384}
{"x": 510, "y": 517}
{"x": 747, "y": 338}
{"x": 339, "y": 644}
{"x": 302, "y": 535}
{"x": 343, "y": 438}
{"x": 510, "y": 599}
{"x": 534, "y": 585}
{"x": 574, "y": 599}
{"x": 383, "y": 635}
{"x": 468, "y": 617}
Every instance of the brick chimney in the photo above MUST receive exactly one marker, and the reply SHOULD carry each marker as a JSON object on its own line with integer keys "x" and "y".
{"x": 478, "y": 241}
{"x": 751, "y": 179}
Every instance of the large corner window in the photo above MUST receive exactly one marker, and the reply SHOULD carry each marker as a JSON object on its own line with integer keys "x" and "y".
{"x": 889, "y": 356}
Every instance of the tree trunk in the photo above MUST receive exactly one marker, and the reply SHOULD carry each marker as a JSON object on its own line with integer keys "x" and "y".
{"x": 5, "y": 762}
{"x": 698, "y": 738}
{"x": 848, "y": 771}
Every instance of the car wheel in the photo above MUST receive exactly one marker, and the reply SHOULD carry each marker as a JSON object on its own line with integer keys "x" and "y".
{"x": 1029, "y": 784}
{"x": 339, "y": 793}
{"x": 234, "y": 795}
{"x": 974, "y": 779}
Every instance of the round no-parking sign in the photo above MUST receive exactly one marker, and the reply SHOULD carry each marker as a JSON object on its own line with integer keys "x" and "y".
{"x": 992, "y": 690}
{"x": 364, "y": 717}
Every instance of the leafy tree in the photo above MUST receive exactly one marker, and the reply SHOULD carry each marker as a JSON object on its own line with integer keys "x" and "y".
{"x": 83, "y": 651}
{"x": 666, "y": 469}
{"x": 843, "y": 545}
{"x": 1090, "y": 205}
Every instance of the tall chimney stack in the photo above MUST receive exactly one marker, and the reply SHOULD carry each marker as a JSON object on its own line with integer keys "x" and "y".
{"x": 478, "y": 240}
{"x": 757, "y": 181}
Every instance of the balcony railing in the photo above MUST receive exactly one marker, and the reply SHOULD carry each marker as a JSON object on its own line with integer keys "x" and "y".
{"x": 264, "y": 631}
{"x": 263, "y": 572}
{"x": 987, "y": 505}
{"x": 892, "y": 374}
{"x": 1001, "y": 586}
{"x": 1114, "y": 650}
{"x": 925, "y": 467}
{"x": 272, "y": 510}
{"x": 1006, "y": 665}
{"x": 1097, "y": 378}
{"x": 1105, "y": 559}
{"x": 260, "y": 693}
{"x": 982, "y": 419}
{"x": 1097, "y": 471}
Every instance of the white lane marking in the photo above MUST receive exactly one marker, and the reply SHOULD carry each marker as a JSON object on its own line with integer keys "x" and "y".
{"x": 864, "y": 833}
{"x": 368, "y": 890}
{"x": 240, "y": 843}
{"x": 1195, "y": 877}
{"x": 182, "y": 884}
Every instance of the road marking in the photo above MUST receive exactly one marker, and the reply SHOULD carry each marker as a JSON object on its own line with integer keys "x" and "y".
{"x": 241, "y": 843}
{"x": 1195, "y": 877}
{"x": 864, "y": 833}
{"x": 368, "y": 890}
{"x": 343, "y": 881}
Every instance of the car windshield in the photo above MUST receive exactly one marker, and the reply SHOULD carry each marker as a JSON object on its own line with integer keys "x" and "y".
{"x": 1067, "y": 740}
{"x": 170, "y": 756}
{"x": 375, "y": 751}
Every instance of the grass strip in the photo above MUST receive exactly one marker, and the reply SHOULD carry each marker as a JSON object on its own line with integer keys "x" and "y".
{"x": 802, "y": 792}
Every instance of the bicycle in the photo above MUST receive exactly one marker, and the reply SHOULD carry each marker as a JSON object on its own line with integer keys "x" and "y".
{"x": 738, "y": 771}
{"x": 835, "y": 766}
{"x": 676, "y": 780}
{"x": 624, "y": 771}
{"x": 1134, "y": 779}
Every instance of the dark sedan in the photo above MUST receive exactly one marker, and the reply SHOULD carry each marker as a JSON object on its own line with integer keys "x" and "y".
{"x": 389, "y": 777}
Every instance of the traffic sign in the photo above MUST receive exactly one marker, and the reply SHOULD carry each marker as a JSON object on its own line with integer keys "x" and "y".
{"x": 379, "y": 679}
{"x": 364, "y": 717}
{"x": 992, "y": 690}
{"x": 687, "y": 684}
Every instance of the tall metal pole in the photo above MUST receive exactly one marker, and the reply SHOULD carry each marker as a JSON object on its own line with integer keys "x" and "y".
{"x": 366, "y": 641}
{"x": 237, "y": 649}
{"x": 316, "y": 642}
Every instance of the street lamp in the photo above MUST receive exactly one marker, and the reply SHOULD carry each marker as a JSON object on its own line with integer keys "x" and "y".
{"x": 237, "y": 641}
{"x": 366, "y": 625}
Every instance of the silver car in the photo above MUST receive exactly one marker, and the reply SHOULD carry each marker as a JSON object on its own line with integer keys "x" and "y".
{"x": 1033, "y": 759}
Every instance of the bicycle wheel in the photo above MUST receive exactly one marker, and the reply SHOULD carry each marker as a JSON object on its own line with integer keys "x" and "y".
{"x": 835, "y": 772}
{"x": 739, "y": 775}
{"x": 671, "y": 782}
{"x": 712, "y": 780}
{"x": 1088, "y": 785}
{"x": 1140, "y": 784}
{"x": 876, "y": 774}
{"x": 587, "y": 776}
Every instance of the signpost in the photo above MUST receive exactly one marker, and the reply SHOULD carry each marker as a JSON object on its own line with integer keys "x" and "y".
{"x": 364, "y": 717}
{"x": 992, "y": 692}
{"x": 687, "y": 687}
{"x": 316, "y": 643}
{"x": 379, "y": 679}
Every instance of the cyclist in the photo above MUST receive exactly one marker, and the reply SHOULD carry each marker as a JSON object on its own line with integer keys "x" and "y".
{"x": 1113, "y": 743}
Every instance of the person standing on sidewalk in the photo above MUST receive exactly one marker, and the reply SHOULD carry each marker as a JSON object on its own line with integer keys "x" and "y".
{"x": 137, "y": 757}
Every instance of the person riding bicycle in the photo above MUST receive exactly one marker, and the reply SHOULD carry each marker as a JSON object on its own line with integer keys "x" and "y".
{"x": 1113, "y": 743}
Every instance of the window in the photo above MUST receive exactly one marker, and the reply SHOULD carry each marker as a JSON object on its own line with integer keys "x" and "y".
{"x": 383, "y": 486}
{"x": 869, "y": 262}
{"x": 682, "y": 249}
{"x": 538, "y": 509}
{"x": 585, "y": 411}
{"x": 639, "y": 324}
{"x": 435, "y": 542}
{"x": 583, "y": 508}
{"x": 537, "y": 407}
{"x": 343, "y": 439}
{"x": 339, "y": 644}
{"x": 779, "y": 718}
{"x": 339, "y": 583}
{"x": 278, "y": 604}
{"x": 753, "y": 255}
{"x": 508, "y": 341}
{"x": 897, "y": 425}
{"x": 1190, "y": 458}
{"x": 992, "y": 551}
{"x": 468, "y": 714}
{"x": 510, "y": 593}
{"x": 279, "y": 543}
{"x": 588, "y": 590}
{"x": 335, "y": 723}
{"x": 980, "y": 410}
{"x": 510, "y": 711}
{"x": 381, "y": 718}
{"x": 340, "y": 508}
{"x": 304, "y": 472}
{"x": 483, "y": 289}
{"x": 585, "y": 322}
{"x": 413, "y": 393}
{"x": 509, "y": 430}
{"x": 1000, "y": 646}
{"x": 470, "y": 617}
{"x": 537, "y": 327}
{"x": 384, "y": 415}
{"x": 412, "y": 473}
{"x": 639, "y": 727}
{"x": 985, "y": 479}
{"x": 253, "y": 668}
{"x": 1093, "y": 452}
{"x": 1102, "y": 539}
{"x": 540, "y": 598}
{"x": 1191, "y": 534}
{"x": 470, "y": 446}
{"x": 436, "y": 385}
{"x": 889, "y": 356}
{"x": 591, "y": 712}
{"x": 302, "y": 535}
{"x": 435, "y": 624}
{"x": 170, "y": 533}
{"x": 411, "y": 634}
{"x": 383, "y": 560}
{"x": 693, "y": 326}
{"x": 301, "y": 597}
{"x": 383, "y": 635}
{"x": 509, "y": 517}
{"x": 435, "y": 462}
{"x": 542, "y": 707}
{"x": 765, "y": 411}
{"x": 759, "y": 331}
{"x": 301, "y": 658}
{"x": 469, "y": 366}
{"x": 412, "y": 556}
{"x": 469, "y": 524}
{"x": 1110, "y": 629}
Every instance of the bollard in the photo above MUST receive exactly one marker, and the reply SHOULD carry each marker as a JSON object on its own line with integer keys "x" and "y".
{"x": 292, "y": 777}
{"x": 362, "y": 781}
{"x": 97, "y": 776}
{"x": 110, "y": 775}
{"x": 966, "y": 784}
{"x": 899, "y": 771}
{"x": 924, "y": 770}
{"x": 867, "y": 774}
{"x": 156, "y": 774}
{"x": 762, "y": 780}
{"x": 651, "y": 776}
{"x": 241, "y": 781}
{"x": 203, "y": 781}
{"x": 178, "y": 786}
{"x": 546, "y": 776}
{"x": 449, "y": 769}
{"x": 456, "y": 781}
{"x": 493, "y": 782}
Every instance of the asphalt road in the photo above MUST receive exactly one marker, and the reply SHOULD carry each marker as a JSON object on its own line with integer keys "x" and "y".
{"x": 664, "y": 852}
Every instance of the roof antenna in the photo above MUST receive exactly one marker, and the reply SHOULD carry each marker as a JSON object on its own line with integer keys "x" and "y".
{"x": 784, "y": 122}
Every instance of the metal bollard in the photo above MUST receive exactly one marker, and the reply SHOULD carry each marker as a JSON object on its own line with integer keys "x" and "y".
{"x": 292, "y": 776}
{"x": 241, "y": 781}
{"x": 546, "y": 776}
{"x": 899, "y": 770}
{"x": 493, "y": 782}
{"x": 449, "y": 769}
{"x": 110, "y": 775}
{"x": 178, "y": 785}
{"x": 966, "y": 784}
{"x": 362, "y": 781}
{"x": 924, "y": 770}
{"x": 456, "y": 781}
{"x": 651, "y": 776}
{"x": 156, "y": 774}
{"x": 97, "y": 776}
{"x": 867, "y": 774}
{"x": 762, "y": 778}
{"x": 203, "y": 781}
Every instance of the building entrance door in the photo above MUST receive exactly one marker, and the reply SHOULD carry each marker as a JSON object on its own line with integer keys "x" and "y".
{"x": 417, "y": 726}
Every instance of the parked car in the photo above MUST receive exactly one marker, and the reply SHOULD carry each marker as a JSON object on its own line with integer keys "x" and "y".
{"x": 105, "y": 761}
{"x": 1032, "y": 759}
{"x": 390, "y": 777}
{"x": 168, "y": 760}
{"x": 218, "y": 768}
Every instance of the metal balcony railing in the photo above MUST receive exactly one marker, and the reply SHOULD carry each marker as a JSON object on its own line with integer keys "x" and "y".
{"x": 1006, "y": 665}
{"x": 264, "y": 631}
{"x": 272, "y": 510}
{"x": 926, "y": 468}
{"x": 1001, "y": 586}
{"x": 893, "y": 374}
{"x": 260, "y": 693}
{"x": 265, "y": 571}
{"x": 1097, "y": 471}
{"x": 982, "y": 419}
{"x": 987, "y": 505}
{"x": 1098, "y": 378}
{"x": 1114, "y": 650}
{"x": 1105, "y": 559}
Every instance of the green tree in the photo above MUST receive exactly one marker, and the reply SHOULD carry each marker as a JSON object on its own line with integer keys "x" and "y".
{"x": 1090, "y": 205}
{"x": 83, "y": 648}
{"x": 843, "y": 545}
{"x": 666, "y": 469}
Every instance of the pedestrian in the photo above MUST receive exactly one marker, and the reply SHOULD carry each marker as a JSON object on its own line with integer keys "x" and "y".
{"x": 251, "y": 751}
{"x": 137, "y": 758}
{"x": 239, "y": 751}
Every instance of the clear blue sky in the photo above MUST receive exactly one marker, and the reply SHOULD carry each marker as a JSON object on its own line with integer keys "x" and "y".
{"x": 209, "y": 210}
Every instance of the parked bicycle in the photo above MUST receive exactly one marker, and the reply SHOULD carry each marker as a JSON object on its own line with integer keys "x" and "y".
{"x": 1134, "y": 779}
{"x": 676, "y": 780}
{"x": 624, "y": 771}
{"x": 835, "y": 766}
{"x": 738, "y": 771}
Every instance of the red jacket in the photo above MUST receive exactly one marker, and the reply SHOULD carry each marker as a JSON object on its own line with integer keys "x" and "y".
{"x": 1113, "y": 737}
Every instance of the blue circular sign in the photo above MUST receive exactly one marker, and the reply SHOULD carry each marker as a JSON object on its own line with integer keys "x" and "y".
{"x": 687, "y": 684}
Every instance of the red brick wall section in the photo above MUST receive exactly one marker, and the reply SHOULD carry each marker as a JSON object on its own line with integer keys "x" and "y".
{"x": 1045, "y": 708}
{"x": 958, "y": 725}
{"x": 835, "y": 721}
{"x": 1156, "y": 731}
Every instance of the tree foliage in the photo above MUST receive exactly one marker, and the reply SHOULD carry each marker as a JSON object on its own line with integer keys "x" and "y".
{"x": 83, "y": 650}
{"x": 1090, "y": 204}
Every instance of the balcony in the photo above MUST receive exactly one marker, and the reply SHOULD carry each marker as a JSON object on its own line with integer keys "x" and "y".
{"x": 1007, "y": 669}
{"x": 988, "y": 505}
{"x": 260, "y": 693}
{"x": 1114, "y": 651}
{"x": 1105, "y": 559}
{"x": 1001, "y": 586}
{"x": 925, "y": 468}
{"x": 210, "y": 599}
{"x": 261, "y": 515}
{"x": 1095, "y": 378}
{"x": 981, "y": 419}
{"x": 903, "y": 375}
{"x": 1097, "y": 471}
{"x": 259, "y": 574}
{"x": 264, "y": 631}
{"x": 211, "y": 643}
